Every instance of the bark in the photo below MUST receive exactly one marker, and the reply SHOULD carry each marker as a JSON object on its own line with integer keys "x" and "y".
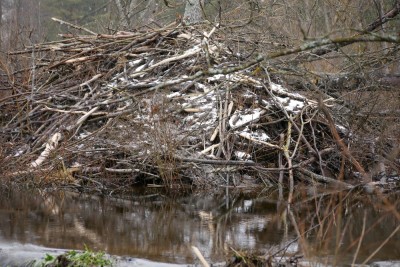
{"x": 150, "y": 11}
{"x": 193, "y": 11}
{"x": 122, "y": 13}
{"x": 1, "y": 23}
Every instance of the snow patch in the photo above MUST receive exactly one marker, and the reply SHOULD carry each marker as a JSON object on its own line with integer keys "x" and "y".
{"x": 242, "y": 155}
{"x": 290, "y": 105}
{"x": 238, "y": 120}
{"x": 173, "y": 95}
{"x": 258, "y": 134}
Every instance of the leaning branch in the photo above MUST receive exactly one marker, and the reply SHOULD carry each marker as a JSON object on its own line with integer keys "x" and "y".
{"x": 73, "y": 26}
{"x": 370, "y": 28}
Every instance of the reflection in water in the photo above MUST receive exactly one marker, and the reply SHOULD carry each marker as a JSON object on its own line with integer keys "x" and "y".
{"x": 162, "y": 228}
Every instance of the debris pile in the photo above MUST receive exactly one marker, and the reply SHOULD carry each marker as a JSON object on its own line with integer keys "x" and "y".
{"x": 167, "y": 106}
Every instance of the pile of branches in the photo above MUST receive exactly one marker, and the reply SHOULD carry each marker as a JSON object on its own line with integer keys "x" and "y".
{"x": 171, "y": 106}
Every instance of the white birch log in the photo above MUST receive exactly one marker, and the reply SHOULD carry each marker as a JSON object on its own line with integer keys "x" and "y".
{"x": 51, "y": 144}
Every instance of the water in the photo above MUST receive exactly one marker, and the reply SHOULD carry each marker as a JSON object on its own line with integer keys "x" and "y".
{"x": 154, "y": 226}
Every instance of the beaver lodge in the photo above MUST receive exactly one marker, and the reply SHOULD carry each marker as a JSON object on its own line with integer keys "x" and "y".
{"x": 177, "y": 106}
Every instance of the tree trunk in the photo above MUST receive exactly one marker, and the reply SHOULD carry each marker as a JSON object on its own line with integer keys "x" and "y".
{"x": 149, "y": 13}
{"x": 122, "y": 13}
{"x": 1, "y": 24}
{"x": 193, "y": 11}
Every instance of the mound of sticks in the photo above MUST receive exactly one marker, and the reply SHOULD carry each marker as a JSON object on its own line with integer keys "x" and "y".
{"x": 170, "y": 106}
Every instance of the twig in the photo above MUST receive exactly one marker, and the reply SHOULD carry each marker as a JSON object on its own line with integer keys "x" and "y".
{"x": 381, "y": 246}
{"x": 289, "y": 162}
{"x": 360, "y": 239}
{"x": 259, "y": 141}
{"x": 73, "y": 26}
{"x": 84, "y": 117}
{"x": 216, "y": 162}
{"x": 188, "y": 53}
{"x": 208, "y": 149}
{"x": 325, "y": 179}
{"x": 73, "y": 111}
{"x": 339, "y": 141}
{"x": 281, "y": 173}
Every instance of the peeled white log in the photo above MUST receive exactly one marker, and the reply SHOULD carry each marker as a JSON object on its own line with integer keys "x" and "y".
{"x": 51, "y": 144}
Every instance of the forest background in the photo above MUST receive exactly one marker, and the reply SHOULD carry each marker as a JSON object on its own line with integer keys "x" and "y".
{"x": 29, "y": 21}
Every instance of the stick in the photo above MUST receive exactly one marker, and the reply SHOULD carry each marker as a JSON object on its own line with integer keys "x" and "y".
{"x": 341, "y": 144}
{"x": 259, "y": 141}
{"x": 84, "y": 117}
{"x": 200, "y": 256}
{"x": 73, "y": 26}
{"x": 289, "y": 161}
{"x": 281, "y": 172}
{"x": 209, "y": 148}
{"x": 216, "y": 162}
{"x": 188, "y": 53}
{"x": 72, "y": 111}
{"x": 325, "y": 179}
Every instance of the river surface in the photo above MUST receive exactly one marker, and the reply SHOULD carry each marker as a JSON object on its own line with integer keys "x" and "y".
{"x": 334, "y": 228}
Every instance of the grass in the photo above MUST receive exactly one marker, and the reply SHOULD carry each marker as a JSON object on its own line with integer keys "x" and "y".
{"x": 86, "y": 258}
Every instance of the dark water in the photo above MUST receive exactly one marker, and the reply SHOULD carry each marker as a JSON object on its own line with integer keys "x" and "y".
{"x": 159, "y": 227}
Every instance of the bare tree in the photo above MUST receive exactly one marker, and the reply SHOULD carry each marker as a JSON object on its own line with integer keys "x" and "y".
{"x": 133, "y": 13}
{"x": 122, "y": 12}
